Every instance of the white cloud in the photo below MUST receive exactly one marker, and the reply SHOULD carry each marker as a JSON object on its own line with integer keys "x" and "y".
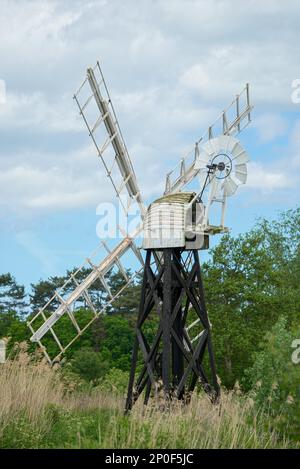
{"x": 266, "y": 179}
{"x": 67, "y": 181}
{"x": 59, "y": 182}
{"x": 171, "y": 67}
{"x": 195, "y": 77}
{"x": 270, "y": 126}
{"x": 28, "y": 187}
{"x": 37, "y": 111}
{"x": 280, "y": 175}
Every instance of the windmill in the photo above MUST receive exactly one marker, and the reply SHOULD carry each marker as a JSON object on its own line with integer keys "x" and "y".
{"x": 174, "y": 228}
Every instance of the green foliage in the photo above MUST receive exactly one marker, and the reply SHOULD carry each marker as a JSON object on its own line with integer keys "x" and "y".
{"x": 96, "y": 291}
{"x": 14, "y": 328}
{"x": 274, "y": 378}
{"x": 115, "y": 381}
{"x": 21, "y": 433}
{"x": 65, "y": 330}
{"x": 128, "y": 301}
{"x": 250, "y": 281}
{"x": 113, "y": 336}
{"x": 43, "y": 291}
{"x": 108, "y": 427}
{"x": 89, "y": 364}
{"x": 12, "y": 295}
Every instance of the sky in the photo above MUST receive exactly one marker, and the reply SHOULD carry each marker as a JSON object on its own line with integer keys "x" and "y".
{"x": 171, "y": 67}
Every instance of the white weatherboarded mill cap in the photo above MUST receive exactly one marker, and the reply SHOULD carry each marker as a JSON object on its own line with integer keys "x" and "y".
{"x": 168, "y": 223}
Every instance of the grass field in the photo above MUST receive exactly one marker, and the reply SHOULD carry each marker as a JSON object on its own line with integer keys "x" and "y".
{"x": 40, "y": 409}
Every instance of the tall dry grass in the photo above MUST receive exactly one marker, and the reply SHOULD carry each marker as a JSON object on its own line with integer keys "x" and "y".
{"x": 27, "y": 384}
{"x": 29, "y": 387}
{"x": 233, "y": 423}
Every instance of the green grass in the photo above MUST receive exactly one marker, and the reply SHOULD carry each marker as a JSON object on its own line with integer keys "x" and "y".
{"x": 197, "y": 426}
{"x": 106, "y": 428}
{"x": 38, "y": 409}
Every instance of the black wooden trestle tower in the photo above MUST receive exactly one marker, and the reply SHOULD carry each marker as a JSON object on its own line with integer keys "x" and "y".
{"x": 172, "y": 363}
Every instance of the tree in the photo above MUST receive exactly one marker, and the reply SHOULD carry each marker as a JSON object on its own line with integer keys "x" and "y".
{"x": 13, "y": 327}
{"x": 250, "y": 281}
{"x": 43, "y": 291}
{"x": 128, "y": 301}
{"x": 88, "y": 364}
{"x": 12, "y": 295}
{"x": 96, "y": 291}
{"x": 274, "y": 378}
{"x": 115, "y": 381}
{"x": 113, "y": 336}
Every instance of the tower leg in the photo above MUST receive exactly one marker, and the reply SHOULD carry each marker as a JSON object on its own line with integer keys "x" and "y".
{"x": 166, "y": 321}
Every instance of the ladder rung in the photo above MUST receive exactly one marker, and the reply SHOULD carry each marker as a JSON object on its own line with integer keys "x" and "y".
{"x": 124, "y": 182}
{"x": 56, "y": 339}
{"x": 225, "y": 123}
{"x": 193, "y": 324}
{"x": 182, "y": 168}
{"x": 197, "y": 337}
{"x": 89, "y": 301}
{"x": 73, "y": 320}
{"x": 52, "y": 331}
{"x": 86, "y": 103}
{"x": 117, "y": 262}
{"x": 107, "y": 142}
{"x": 85, "y": 295}
{"x": 168, "y": 184}
{"x": 60, "y": 298}
{"x": 99, "y": 121}
{"x": 101, "y": 278}
{"x": 137, "y": 253}
{"x": 80, "y": 88}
